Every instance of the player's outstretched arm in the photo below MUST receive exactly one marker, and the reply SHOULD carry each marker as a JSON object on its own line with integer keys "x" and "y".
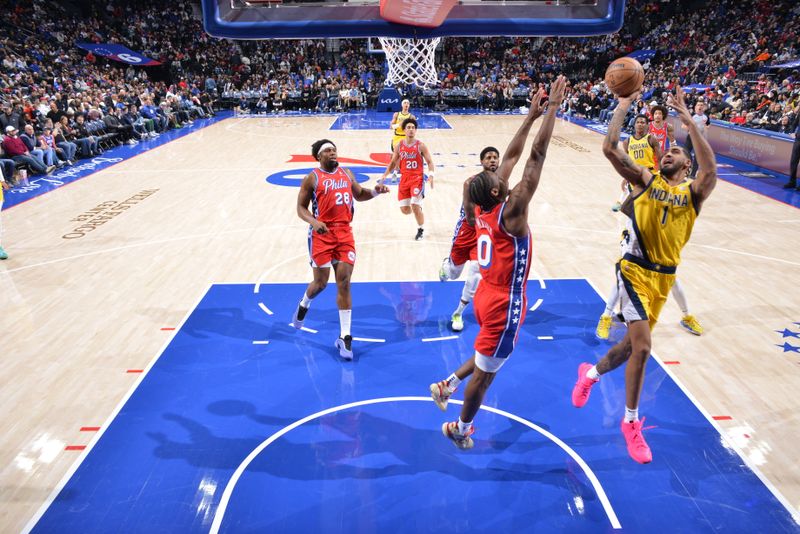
{"x": 671, "y": 134}
{"x": 304, "y": 199}
{"x": 363, "y": 193}
{"x": 426, "y": 155}
{"x": 656, "y": 146}
{"x": 392, "y": 163}
{"x": 517, "y": 144}
{"x": 515, "y": 215}
{"x": 706, "y": 162}
{"x": 636, "y": 175}
{"x": 468, "y": 205}
{"x": 393, "y": 125}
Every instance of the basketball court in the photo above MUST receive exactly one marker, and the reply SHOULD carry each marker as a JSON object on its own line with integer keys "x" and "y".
{"x": 152, "y": 381}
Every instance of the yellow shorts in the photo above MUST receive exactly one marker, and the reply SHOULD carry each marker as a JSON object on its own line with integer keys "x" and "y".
{"x": 396, "y": 139}
{"x": 642, "y": 292}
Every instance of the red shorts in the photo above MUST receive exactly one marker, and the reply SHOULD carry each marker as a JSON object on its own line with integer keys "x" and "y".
{"x": 500, "y": 315}
{"x": 410, "y": 186}
{"x": 464, "y": 247}
{"x": 336, "y": 244}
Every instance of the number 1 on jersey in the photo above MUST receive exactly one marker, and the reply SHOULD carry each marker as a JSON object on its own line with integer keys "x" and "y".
{"x": 664, "y": 216}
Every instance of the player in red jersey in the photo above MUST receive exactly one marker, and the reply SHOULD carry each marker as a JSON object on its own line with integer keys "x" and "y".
{"x": 465, "y": 237}
{"x": 662, "y": 130}
{"x": 331, "y": 191}
{"x": 504, "y": 254}
{"x": 408, "y": 154}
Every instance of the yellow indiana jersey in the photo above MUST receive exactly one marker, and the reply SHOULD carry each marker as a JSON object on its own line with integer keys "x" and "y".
{"x": 399, "y": 132}
{"x": 660, "y": 221}
{"x": 641, "y": 152}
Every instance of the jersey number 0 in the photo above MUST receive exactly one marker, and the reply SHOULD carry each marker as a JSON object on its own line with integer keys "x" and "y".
{"x": 484, "y": 251}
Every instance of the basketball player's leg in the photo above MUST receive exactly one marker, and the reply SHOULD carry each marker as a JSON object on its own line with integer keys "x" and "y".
{"x": 467, "y": 294}
{"x": 639, "y": 334}
{"x": 461, "y": 251}
{"x": 442, "y": 390}
{"x": 493, "y": 345}
{"x": 320, "y": 250}
{"x": 604, "y": 323}
{"x": 635, "y": 301}
{"x": 344, "y": 259}
{"x": 417, "y": 196}
{"x": 404, "y": 196}
{"x": 321, "y": 275}
{"x": 688, "y": 321}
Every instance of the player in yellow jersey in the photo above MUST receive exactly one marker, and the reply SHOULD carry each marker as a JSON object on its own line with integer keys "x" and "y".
{"x": 3, "y": 185}
{"x": 398, "y": 134}
{"x": 644, "y": 149}
{"x": 397, "y": 122}
{"x": 662, "y": 209}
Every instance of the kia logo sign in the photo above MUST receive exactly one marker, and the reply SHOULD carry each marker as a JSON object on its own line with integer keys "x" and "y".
{"x": 390, "y": 100}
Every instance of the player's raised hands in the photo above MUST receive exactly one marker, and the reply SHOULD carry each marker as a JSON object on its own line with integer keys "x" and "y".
{"x": 678, "y": 103}
{"x": 630, "y": 99}
{"x": 537, "y": 104}
{"x": 557, "y": 90}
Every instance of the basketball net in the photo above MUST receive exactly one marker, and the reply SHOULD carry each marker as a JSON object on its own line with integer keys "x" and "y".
{"x": 411, "y": 61}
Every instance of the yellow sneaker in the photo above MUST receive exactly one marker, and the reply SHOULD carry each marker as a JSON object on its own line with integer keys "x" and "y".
{"x": 691, "y": 325}
{"x": 603, "y": 326}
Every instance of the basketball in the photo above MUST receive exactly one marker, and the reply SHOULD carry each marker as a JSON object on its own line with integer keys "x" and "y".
{"x": 624, "y": 76}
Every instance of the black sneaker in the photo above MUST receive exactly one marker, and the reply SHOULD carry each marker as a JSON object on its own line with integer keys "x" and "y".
{"x": 345, "y": 346}
{"x": 790, "y": 185}
{"x": 419, "y": 234}
{"x": 299, "y": 316}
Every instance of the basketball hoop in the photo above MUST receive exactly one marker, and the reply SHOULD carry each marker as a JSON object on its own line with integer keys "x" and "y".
{"x": 411, "y": 61}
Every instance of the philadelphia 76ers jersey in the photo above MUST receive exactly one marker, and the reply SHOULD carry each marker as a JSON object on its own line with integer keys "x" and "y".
{"x": 410, "y": 159}
{"x": 333, "y": 196}
{"x": 505, "y": 260}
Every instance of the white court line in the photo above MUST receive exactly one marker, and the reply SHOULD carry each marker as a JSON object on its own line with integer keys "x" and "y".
{"x": 536, "y": 304}
{"x": 265, "y": 342}
{"x": 229, "y": 487}
{"x": 444, "y": 338}
{"x": 63, "y": 482}
{"x": 264, "y": 307}
{"x": 544, "y": 338}
{"x": 306, "y": 329}
{"x": 443, "y": 118}
{"x": 369, "y": 339}
{"x": 725, "y": 437}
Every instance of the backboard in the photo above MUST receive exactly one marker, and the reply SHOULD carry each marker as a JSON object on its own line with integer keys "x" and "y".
{"x": 303, "y": 19}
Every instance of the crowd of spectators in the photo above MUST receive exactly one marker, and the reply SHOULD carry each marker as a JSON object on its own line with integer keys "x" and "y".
{"x": 61, "y": 103}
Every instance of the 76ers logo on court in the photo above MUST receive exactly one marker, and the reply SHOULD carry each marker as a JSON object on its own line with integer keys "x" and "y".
{"x": 361, "y": 169}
